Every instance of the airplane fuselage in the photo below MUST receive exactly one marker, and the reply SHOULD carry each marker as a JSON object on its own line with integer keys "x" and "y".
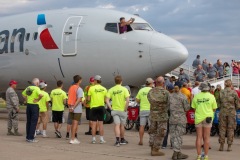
{"x": 56, "y": 45}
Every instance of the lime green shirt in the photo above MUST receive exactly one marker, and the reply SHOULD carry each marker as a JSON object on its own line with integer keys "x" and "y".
{"x": 35, "y": 94}
{"x": 118, "y": 94}
{"x": 58, "y": 96}
{"x": 142, "y": 96}
{"x": 43, "y": 101}
{"x": 204, "y": 103}
{"x": 97, "y": 94}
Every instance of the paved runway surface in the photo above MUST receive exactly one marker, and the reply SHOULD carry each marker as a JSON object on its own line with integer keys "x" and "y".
{"x": 16, "y": 148}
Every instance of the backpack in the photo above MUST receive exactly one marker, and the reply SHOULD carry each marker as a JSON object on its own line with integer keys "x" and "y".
{"x": 29, "y": 91}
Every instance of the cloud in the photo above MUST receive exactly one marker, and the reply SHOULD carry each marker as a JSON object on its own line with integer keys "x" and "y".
{"x": 107, "y": 6}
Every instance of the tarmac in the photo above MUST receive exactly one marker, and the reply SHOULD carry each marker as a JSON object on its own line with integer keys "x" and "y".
{"x": 52, "y": 148}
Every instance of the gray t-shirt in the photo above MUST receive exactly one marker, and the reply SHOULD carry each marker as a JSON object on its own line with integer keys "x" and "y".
{"x": 183, "y": 77}
{"x": 205, "y": 66}
{"x": 199, "y": 75}
{"x": 78, "y": 109}
{"x": 196, "y": 62}
{"x": 219, "y": 69}
{"x": 212, "y": 71}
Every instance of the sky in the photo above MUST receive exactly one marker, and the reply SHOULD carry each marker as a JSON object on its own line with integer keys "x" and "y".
{"x": 210, "y": 28}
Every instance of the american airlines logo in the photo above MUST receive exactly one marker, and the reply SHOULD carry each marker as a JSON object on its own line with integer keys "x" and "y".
{"x": 45, "y": 37}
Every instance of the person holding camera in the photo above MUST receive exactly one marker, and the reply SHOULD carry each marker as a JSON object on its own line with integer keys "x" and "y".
{"x": 229, "y": 103}
{"x": 123, "y": 24}
{"x": 204, "y": 104}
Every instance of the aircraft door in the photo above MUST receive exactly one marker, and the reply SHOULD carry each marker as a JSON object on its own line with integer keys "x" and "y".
{"x": 70, "y": 36}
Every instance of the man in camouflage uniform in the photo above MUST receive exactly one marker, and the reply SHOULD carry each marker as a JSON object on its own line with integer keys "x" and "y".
{"x": 229, "y": 103}
{"x": 159, "y": 103}
{"x": 177, "y": 121}
{"x": 12, "y": 102}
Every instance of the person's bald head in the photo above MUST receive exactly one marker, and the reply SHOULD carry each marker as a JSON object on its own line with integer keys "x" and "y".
{"x": 228, "y": 83}
{"x": 35, "y": 81}
{"x": 160, "y": 81}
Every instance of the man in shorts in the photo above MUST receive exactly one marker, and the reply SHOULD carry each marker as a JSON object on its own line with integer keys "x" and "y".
{"x": 43, "y": 110}
{"x": 142, "y": 99}
{"x": 120, "y": 101}
{"x": 96, "y": 97}
{"x": 87, "y": 105}
{"x": 75, "y": 95}
{"x": 59, "y": 98}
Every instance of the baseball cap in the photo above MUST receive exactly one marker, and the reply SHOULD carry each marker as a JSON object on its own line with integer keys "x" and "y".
{"x": 204, "y": 87}
{"x": 12, "y": 82}
{"x": 170, "y": 87}
{"x": 97, "y": 78}
{"x": 91, "y": 79}
{"x": 149, "y": 80}
{"x": 181, "y": 69}
{"x": 42, "y": 85}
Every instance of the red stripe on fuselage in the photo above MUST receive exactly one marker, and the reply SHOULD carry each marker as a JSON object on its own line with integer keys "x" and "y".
{"x": 47, "y": 40}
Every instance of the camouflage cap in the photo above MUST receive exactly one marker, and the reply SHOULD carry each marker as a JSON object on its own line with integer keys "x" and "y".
{"x": 204, "y": 87}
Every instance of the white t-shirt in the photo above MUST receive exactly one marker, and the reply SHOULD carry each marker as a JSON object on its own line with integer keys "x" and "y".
{"x": 195, "y": 91}
{"x": 78, "y": 109}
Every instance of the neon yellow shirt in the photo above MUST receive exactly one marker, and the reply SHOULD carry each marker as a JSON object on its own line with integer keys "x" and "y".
{"x": 35, "y": 94}
{"x": 118, "y": 94}
{"x": 43, "y": 101}
{"x": 204, "y": 103}
{"x": 142, "y": 96}
{"x": 86, "y": 90}
{"x": 58, "y": 96}
{"x": 97, "y": 94}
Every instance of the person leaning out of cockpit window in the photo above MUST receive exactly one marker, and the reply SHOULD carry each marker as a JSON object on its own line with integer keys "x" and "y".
{"x": 123, "y": 24}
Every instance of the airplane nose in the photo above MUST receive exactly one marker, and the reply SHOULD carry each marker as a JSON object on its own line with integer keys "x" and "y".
{"x": 167, "y": 52}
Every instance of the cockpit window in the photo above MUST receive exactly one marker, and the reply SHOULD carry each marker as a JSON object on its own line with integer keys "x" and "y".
{"x": 111, "y": 27}
{"x": 141, "y": 26}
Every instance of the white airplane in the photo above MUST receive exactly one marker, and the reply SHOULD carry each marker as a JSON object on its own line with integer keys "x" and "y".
{"x": 56, "y": 45}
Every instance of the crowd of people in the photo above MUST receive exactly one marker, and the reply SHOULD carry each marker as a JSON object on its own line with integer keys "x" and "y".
{"x": 207, "y": 70}
{"x": 163, "y": 104}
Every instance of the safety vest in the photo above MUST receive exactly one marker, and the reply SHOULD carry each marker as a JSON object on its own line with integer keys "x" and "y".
{"x": 72, "y": 95}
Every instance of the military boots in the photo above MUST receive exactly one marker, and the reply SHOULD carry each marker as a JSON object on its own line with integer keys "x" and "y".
{"x": 182, "y": 156}
{"x": 175, "y": 155}
{"x": 221, "y": 147}
{"x": 156, "y": 152}
{"x": 16, "y": 133}
{"x": 229, "y": 148}
{"x": 10, "y": 133}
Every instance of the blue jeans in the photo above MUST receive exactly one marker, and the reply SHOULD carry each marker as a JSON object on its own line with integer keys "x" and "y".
{"x": 165, "y": 140}
{"x": 32, "y": 112}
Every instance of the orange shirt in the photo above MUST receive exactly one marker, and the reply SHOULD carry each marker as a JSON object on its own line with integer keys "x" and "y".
{"x": 187, "y": 93}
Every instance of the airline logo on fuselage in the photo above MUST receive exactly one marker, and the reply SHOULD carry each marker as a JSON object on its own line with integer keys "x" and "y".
{"x": 45, "y": 37}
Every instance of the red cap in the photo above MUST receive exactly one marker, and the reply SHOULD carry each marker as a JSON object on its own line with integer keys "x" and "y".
{"x": 12, "y": 82}
{"x": 91, "y": 79}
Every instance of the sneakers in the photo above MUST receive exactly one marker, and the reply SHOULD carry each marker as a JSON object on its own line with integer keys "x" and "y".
{"x": 102, "y": 141}
{"x": 38, "y": 132}
{"x": 88, "y": 133}
{"x": 67, "y": 136}
{"x": 58, "y": 134}
{"x": 45, "y": 136}
{"x": 75, "y": 141}
{"x": 117, "y": 144}
{"x": 206, "y": 158}
{"x": 93, "y": 141}
{"x": 164, "y": 147}
{"x": 123, "y": 141}
{"x": 199, "y": 157}
{"x": 32, "y": 141}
